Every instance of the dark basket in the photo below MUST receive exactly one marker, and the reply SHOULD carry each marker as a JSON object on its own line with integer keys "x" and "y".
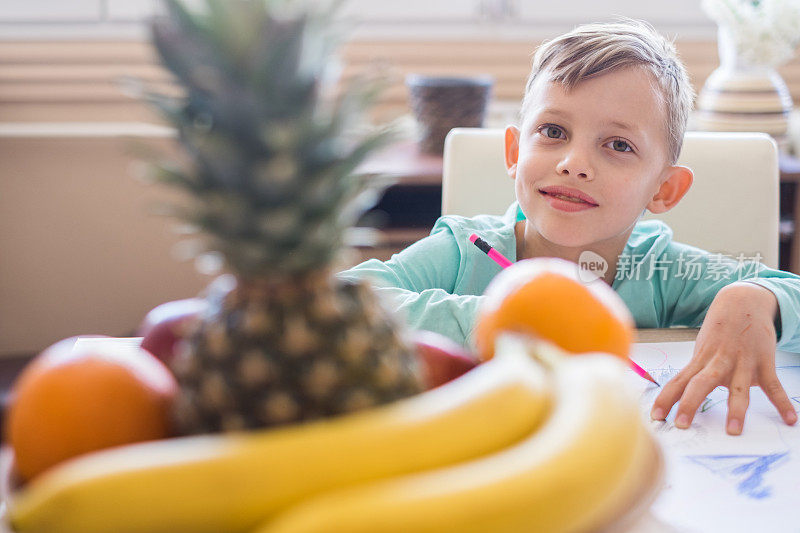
{"x": 443, "y": 103}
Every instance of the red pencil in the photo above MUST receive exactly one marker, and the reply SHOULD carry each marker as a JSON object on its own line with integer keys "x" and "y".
{"x": 501, "y": 260}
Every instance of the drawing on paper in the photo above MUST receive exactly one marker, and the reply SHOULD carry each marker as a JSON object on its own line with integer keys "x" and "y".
{"x": 706, "y": 466}
{"x": 663, "y": 375}
{"x": 748, "y": 470}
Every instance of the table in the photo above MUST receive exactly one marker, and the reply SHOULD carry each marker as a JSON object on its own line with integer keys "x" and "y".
{"x": 666, "y": 334}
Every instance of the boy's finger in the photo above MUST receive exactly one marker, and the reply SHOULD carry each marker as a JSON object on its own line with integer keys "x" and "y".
{"x": 696, "y": 391}
{"x": 738, "y": 400}
{"x": 669, "y": 396}
{"x": 774, "y": 390}
{"x": 672, "y": 391}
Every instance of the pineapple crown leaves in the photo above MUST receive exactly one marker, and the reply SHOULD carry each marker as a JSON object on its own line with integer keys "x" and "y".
{"x": 273, "y": 152}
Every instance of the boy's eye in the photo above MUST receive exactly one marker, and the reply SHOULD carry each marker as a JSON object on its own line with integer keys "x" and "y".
{"x": 551, "y": 132}
{"x": 619, "y": 143}
{"x": 554, "y": 132}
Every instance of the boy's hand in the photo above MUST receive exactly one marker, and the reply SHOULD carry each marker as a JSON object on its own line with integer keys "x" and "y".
{"x": 735, "y": 348}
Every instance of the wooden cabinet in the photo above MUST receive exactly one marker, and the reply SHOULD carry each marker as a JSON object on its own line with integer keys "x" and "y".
{"x": 409, "y": 207}
{"x": 790, "y": 211}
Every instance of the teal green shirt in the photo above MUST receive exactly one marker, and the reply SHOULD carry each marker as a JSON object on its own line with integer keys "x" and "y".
{"x": 437, "y": 283}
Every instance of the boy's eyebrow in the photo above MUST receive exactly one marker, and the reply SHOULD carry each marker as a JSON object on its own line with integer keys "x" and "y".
{"x": 616, "y": 123}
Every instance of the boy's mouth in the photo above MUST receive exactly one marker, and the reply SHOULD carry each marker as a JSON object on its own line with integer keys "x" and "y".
{"x": 568, "y": 194}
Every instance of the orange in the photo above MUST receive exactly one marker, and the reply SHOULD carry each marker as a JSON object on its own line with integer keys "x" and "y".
{"x": 69, "y": 402}
{"x": 550, "y": 299}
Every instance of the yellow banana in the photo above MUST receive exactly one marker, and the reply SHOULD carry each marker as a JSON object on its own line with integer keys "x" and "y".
{"x": 578, "y": 472}
{"x": 233, "y": 482}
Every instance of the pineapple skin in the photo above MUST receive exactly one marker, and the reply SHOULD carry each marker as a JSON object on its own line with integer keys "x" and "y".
{"x": 266, "y": 354}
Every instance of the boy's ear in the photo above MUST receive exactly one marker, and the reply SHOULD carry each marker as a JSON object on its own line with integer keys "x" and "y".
{"x": 677, "y": 183}
{"x": 512, "y": 150}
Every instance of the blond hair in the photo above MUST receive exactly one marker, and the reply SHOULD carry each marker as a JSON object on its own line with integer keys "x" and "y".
{"x": 593, "y": 49}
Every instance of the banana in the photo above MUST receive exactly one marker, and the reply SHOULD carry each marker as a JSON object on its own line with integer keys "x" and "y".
{"x": 579, "y": 472}
{"x": 233, "y": 482}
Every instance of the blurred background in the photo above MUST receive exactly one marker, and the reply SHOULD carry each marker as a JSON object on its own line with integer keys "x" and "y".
{"x": 81, "y": 253}
{"x": 59, "y": 60}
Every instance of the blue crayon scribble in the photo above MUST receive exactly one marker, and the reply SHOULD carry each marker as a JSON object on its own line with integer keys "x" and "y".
{"x": 752, "y": 467}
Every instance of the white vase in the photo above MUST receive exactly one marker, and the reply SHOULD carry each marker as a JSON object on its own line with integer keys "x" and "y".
{"x": 740, "y": 96}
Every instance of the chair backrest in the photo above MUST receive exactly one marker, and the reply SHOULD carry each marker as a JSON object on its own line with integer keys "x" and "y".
{"x": 732, "y": 207}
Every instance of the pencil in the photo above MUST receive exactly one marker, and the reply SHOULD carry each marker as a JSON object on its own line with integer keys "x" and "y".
{"x": 503, "y": 261}
{"x": 486, "y": 248}
{"x": 642, "y": 372}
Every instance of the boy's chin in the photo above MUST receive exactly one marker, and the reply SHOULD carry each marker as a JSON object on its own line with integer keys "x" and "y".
{"x": 572, "y": 241}
{"x": 582, "y": 237}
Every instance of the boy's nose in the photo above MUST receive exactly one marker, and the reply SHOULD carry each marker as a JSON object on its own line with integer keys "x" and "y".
{"x": 571, "y": 166}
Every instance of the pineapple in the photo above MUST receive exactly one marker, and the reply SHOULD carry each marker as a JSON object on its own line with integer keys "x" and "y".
{"x": 273, "y": 189}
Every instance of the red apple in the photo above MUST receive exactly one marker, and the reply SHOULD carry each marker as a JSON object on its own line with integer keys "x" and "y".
{"x": 442, "y": 358}
{"x": 167, "y": 323}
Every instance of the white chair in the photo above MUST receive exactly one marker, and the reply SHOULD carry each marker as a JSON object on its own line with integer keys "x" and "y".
{"x": 731, "y": 208}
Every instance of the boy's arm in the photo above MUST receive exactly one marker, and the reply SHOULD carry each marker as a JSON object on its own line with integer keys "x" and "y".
{"x": 787, "y": 324}
{"x": 419, "y": 282}
{"x": 735, "y": 347}
{"x": 692, "y": 284}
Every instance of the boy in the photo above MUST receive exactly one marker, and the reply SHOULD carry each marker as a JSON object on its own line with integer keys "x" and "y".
{"x": 602, "y": 125}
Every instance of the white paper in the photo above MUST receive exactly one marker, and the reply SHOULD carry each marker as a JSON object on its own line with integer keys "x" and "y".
{"x": 716, "y": 482}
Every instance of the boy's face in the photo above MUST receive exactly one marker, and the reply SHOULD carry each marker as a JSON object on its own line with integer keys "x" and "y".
{"x": 575, "y": 145}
